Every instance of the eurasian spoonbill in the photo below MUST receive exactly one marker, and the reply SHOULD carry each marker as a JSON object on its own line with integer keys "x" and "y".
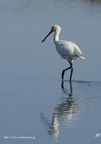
{"x": 68, "y": 50}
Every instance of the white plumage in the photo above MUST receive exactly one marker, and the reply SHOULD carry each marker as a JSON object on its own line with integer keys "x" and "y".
{"x": 68, "y": 50}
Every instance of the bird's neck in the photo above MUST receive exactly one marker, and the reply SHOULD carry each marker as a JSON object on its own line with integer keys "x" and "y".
{"x": 56, "y": 36}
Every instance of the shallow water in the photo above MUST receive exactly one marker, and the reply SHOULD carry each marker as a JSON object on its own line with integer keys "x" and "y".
{"x": 35, "y": 105}
{"x": 50, "y": 111}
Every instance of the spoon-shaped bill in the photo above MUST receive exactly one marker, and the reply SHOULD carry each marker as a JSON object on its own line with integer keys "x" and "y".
{"x": 47, "y": 36}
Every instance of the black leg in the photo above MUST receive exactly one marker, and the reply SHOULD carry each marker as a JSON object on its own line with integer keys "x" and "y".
{"x": 71, "y": 67}
{"x": 63, "y": 72}
{"x": 71, "y": 73}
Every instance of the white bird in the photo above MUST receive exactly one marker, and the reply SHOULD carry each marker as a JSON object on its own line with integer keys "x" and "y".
{"x": 68, "y": 50}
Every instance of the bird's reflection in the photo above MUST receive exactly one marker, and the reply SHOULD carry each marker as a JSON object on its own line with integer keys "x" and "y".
{"x": 66, "y": 112}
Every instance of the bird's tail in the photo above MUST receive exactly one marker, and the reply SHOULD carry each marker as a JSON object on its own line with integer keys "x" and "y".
{"x": 82, "y": 57}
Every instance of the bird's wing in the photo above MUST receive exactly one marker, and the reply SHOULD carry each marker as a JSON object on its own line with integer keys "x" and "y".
{"x": 68, "y": 48}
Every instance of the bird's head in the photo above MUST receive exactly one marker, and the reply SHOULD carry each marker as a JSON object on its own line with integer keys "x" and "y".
{"x": 54, "y": 28}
